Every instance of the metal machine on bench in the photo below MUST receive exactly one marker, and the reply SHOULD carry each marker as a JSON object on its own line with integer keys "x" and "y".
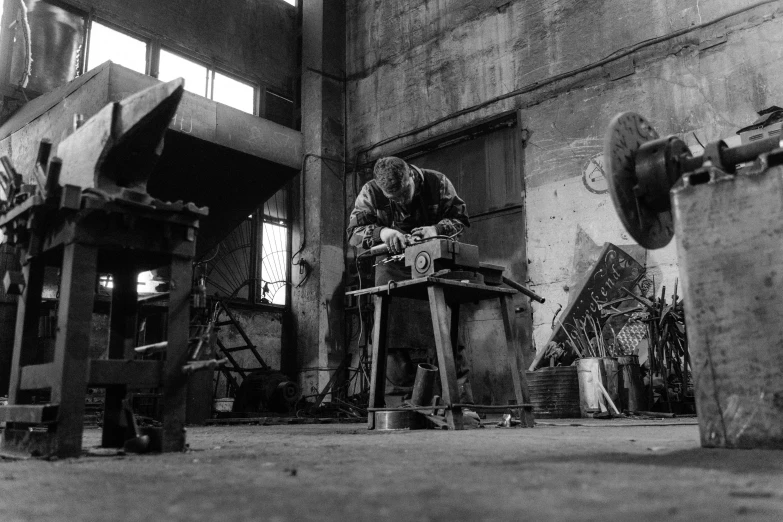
{"x": 725, "y": 209}
{"x": 446, "y": 273}
{"x": 446, "y": 258}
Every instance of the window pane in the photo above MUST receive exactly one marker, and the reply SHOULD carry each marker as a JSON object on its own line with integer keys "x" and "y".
{"x": 173, "y": 67}
{"x": 120, "y": 48}
{"x": 274, "y": 262}
{"x": 234, "y": 93}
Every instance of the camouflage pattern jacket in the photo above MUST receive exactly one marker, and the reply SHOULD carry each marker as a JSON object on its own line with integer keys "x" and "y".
{"x": 435, "y": 202}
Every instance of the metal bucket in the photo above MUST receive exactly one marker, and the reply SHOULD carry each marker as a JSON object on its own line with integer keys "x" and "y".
{"x": 424, "y": 385}
{"x": 554, "y": 392}
{"x": 632, "y": 396}
{"x": 590, "y": 371}
{"x": 613, "y": 380}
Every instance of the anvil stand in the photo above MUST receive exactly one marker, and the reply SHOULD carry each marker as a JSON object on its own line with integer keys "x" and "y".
{"x": 86, "y": 235}
{"x": 444, "y": 297}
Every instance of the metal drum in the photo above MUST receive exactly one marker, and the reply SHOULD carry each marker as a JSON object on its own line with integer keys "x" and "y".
{"x": 392, "y": 420}
{"x": 554, "y": 392}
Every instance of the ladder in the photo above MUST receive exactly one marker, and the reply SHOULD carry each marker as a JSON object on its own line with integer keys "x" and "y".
{"x": 221, "y": 309}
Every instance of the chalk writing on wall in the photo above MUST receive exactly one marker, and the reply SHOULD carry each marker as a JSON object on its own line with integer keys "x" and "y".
{"x": 593, "y": 175}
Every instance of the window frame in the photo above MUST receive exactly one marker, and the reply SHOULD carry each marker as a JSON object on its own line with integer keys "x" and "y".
{"x": 135, "y": 35}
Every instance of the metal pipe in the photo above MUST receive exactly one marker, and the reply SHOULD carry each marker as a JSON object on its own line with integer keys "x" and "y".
{"x": 516, "y": 286}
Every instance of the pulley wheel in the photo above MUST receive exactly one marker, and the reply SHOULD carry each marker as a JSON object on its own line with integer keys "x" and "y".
{"x": 422, "y": 262}
{"x": 626, "y": 133}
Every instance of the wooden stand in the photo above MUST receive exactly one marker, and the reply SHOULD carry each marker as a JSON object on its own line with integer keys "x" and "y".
{"x": 445, "y": 297}
{"x": 122, "y": 239}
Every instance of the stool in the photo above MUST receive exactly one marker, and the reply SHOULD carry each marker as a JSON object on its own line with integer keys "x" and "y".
{"x": 98, "y": 236}
{"x": 445, "y": 297}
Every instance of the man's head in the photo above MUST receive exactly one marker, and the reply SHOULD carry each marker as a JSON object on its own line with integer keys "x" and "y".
{"x": 394, "y": 177}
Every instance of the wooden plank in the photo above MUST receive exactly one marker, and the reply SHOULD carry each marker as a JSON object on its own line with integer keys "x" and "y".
{"x": 175, "y": 381}
{"x": 71, "y": 347}
{"x": 378, "y": 371}
{"x": 36, "y": 376}
{"x": 441, "y": 324}
{"x": 457, "y": 291}
{"x": 26, "y": 334}
{"x": 119, "y": 372}
{"x": 518, "y": 378}
{"x": 122, "y": 340}
{"x": 29, "y": 413}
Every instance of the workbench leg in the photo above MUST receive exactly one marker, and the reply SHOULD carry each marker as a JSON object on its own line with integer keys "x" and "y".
{"x": 25, "y": 343}
{"x": 519, "y": 379}
{"x": 441, "y": 325}
{"x": 72, "y": 345}
{"x": 26, "y": 333}
{"x": 378, "y": 371}
{"x": 175, "y": 381}
{"x": 122, "y": 340}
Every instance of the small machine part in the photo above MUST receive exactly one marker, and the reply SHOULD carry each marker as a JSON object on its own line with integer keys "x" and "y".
{"x": 641, "y": 169}
{"x": 427, "y": 257}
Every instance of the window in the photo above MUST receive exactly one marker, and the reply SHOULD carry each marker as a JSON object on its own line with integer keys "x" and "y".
{"x": 238, "y": 269}
{"x": 109, "y": 44}
{"x": 207, "y": 82}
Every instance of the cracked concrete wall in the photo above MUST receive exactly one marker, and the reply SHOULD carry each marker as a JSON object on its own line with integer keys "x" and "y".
{"x": 696, "y": 68}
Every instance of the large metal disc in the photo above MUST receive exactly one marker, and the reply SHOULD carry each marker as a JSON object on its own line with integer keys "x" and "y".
{"x": 626, "y": 133}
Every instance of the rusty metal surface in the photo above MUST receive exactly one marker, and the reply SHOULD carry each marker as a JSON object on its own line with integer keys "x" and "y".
{"x": 730, "y": 249}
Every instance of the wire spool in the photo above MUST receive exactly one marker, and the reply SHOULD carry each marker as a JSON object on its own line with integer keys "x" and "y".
{"x": 554, "y": 392}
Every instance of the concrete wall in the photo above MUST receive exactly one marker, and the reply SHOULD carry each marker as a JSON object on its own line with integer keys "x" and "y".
{"x": 419, "y": 68}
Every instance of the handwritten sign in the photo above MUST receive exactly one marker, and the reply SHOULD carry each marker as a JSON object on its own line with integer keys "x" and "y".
{"x": 614, "y": 271}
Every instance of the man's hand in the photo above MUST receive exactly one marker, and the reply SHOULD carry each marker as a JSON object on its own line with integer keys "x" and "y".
{"x": 424, "y": 232}
{"x": 394, "y": 239}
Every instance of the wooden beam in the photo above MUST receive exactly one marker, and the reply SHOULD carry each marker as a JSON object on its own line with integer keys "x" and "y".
{"x": 115, "y": 372}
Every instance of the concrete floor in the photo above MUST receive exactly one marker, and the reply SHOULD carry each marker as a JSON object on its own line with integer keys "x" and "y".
{"x": 560, "y": 470}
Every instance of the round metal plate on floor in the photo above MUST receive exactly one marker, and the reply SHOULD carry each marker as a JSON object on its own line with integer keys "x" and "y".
{"x": 626, "y": 133}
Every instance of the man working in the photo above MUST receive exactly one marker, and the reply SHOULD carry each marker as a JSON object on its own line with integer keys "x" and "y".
{"x": 404, "y": 203}
{"x": 400, "y": 203}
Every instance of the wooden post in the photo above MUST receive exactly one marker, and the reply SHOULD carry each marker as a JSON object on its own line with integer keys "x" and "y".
{"x": 122, "y": 340}
{"x": 175, "y": 381}
{"x": 441, "y": 325}
{"x": 518, "y": 378}
{"x": 72, "y": 345}
{"x": 378, "y": 373}
{"x": 27, "y": 318}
